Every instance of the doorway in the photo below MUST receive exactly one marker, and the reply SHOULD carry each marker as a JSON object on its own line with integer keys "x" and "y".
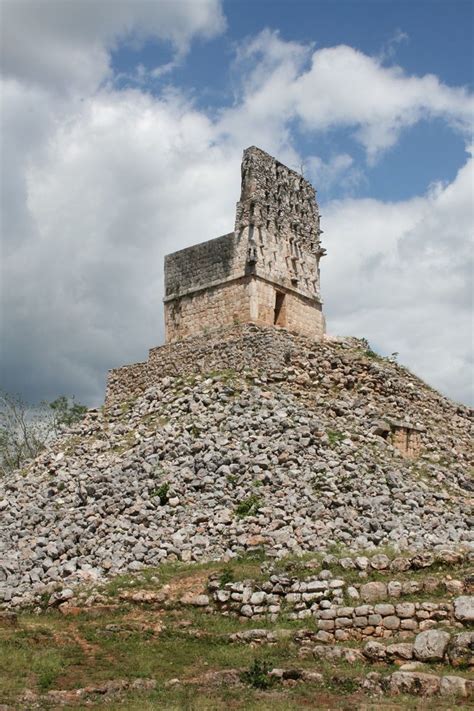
{"x": 279, "y": 318}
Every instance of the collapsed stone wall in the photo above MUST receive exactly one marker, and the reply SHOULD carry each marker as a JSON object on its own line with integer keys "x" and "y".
{"x": 238, "y": 348}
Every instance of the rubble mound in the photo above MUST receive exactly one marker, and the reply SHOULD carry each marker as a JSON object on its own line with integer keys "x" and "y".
{"x": 291, "y": 456}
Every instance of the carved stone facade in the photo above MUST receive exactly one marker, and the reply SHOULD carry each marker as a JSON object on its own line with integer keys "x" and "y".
{"x": 265, "y": 272}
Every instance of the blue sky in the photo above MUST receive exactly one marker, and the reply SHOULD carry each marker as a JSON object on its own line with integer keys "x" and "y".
{"x": 123, "y": 128}
{"x": 424, "y": 37}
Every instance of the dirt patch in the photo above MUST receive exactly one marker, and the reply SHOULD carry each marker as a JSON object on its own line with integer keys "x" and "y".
{"x": 190, "y": 584}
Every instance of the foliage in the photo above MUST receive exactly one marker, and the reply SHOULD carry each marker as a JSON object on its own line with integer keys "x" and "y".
{"x": 162, "y": 493}
{"x": 334, "y": 437}
{"x": 25, "y": 430}
{"x": 248, "y": 506}
{"x": 369, "y": 352}
{"x": 227, "y": 576}
{"x": 66, "y": 411}
{"x": 257, "y": 674}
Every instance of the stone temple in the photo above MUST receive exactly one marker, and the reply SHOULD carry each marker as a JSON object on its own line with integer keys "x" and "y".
{"x": 265, "y": 272}
{"x": 240, "y": 301}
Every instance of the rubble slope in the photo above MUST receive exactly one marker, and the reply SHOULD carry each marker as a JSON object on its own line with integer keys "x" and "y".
{"x": 212, "y": 465}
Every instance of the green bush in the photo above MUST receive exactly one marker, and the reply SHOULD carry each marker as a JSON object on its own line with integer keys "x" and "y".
{"x": 257, "y": 674}
{"x": 248, "y": 506}
{"x": 334, "y": 437}
{"x": 227, "y": 576}
{"x": 162, "y": 493}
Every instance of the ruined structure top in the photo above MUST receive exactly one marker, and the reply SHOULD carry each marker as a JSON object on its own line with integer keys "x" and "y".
{"x": 266, "y": 271}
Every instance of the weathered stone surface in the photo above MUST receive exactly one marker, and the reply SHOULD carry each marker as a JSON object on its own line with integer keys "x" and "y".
{"x": 461, "y": 649}
{"x": 375, "y": 651}
{"x": 454, "y": 686}
{"x": 380, "y": 562}
{"x": 392, "y": 622}
{"x": 405, "y": 609}
{"x": 464, "y": 608}
{"x": 401, "y": 650}
{"x": 430, "y": 646}
{"x": 373, "y": 591}
{"x": 195, "y": 600}
{"x": 413, "y": 683}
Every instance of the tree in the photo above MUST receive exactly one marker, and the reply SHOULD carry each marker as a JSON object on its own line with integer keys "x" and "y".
{"x": 66, "y": 411}
{"x": 25, "y": 431}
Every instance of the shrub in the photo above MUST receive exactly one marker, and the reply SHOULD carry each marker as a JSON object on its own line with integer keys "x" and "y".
{"x": 248, "y": 506}
{"x": 334, "y": 436}
{"x": 162, "y": 493}
{"x": 257, "y": 674}
{"x": 227, "y": 576}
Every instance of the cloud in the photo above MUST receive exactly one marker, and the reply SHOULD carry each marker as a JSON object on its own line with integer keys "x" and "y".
{"x": 120, "y": 183}
{"x": 399, "y": 274}
{"x": 389, "y": 48}
{"x": 65, "y": 46}
{"x": 103, "y": 182}
{"x": 338, "y": 171}
{"x": 343, "y": 87}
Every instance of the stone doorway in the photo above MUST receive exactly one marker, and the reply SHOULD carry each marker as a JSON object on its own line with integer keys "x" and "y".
{"x": 279, "y": 318}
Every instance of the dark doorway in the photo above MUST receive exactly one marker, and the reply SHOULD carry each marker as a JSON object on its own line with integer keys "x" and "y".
{"x": 279, "y": 318}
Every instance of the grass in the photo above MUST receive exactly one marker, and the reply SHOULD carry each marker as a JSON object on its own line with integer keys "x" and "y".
{"x": 51, "y": 651}
{"x": 334, "y": 437}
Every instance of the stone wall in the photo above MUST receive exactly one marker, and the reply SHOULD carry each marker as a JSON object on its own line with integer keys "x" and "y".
{"x": 275, "y": 199}
{"x": 207, "y": 309}
{"x": 298, "y": 313}
{"x": 406, "y": 439}
{"x": 238, "y": 347}
{"x": 279, "y": 217}
{"x": 203, "y": 265}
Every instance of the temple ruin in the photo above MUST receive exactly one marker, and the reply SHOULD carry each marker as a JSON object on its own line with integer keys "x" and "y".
{"x": 265, "y": 272}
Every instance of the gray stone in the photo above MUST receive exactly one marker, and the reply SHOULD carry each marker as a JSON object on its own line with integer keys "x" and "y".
{"x": 461, "y": 649}
{"x": 454, "y": 686}
{"x": 430, "y": 646}
{"x": 413, "y": 683}
{"x": 402, "y": 650}
{"x": 464, "y": 608}
{"x": 258, "y": 598}
{"x": 405, "y": 609}
{"x": 373, "y": 591}
{"x": 392, "y": 622}
{"x": 375, "y": 651}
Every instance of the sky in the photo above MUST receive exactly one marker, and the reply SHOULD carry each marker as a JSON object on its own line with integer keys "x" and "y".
{"x": 123, "y": 126}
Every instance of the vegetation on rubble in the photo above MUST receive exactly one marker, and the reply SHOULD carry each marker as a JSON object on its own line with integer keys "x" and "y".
{"x": 248, "y": 506}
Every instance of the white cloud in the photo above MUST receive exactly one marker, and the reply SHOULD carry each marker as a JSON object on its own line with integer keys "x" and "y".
{"x": 66, "y": 45}
{"x": 343, "y": 87}
{"x": 389, "y": 48}
{"x": 399, "y": 274}
{"x": 126, "y": 179}
{"x": 338, "y": 171}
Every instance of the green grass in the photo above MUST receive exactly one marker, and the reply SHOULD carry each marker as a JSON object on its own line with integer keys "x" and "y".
{"x": 334, "y": 437}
